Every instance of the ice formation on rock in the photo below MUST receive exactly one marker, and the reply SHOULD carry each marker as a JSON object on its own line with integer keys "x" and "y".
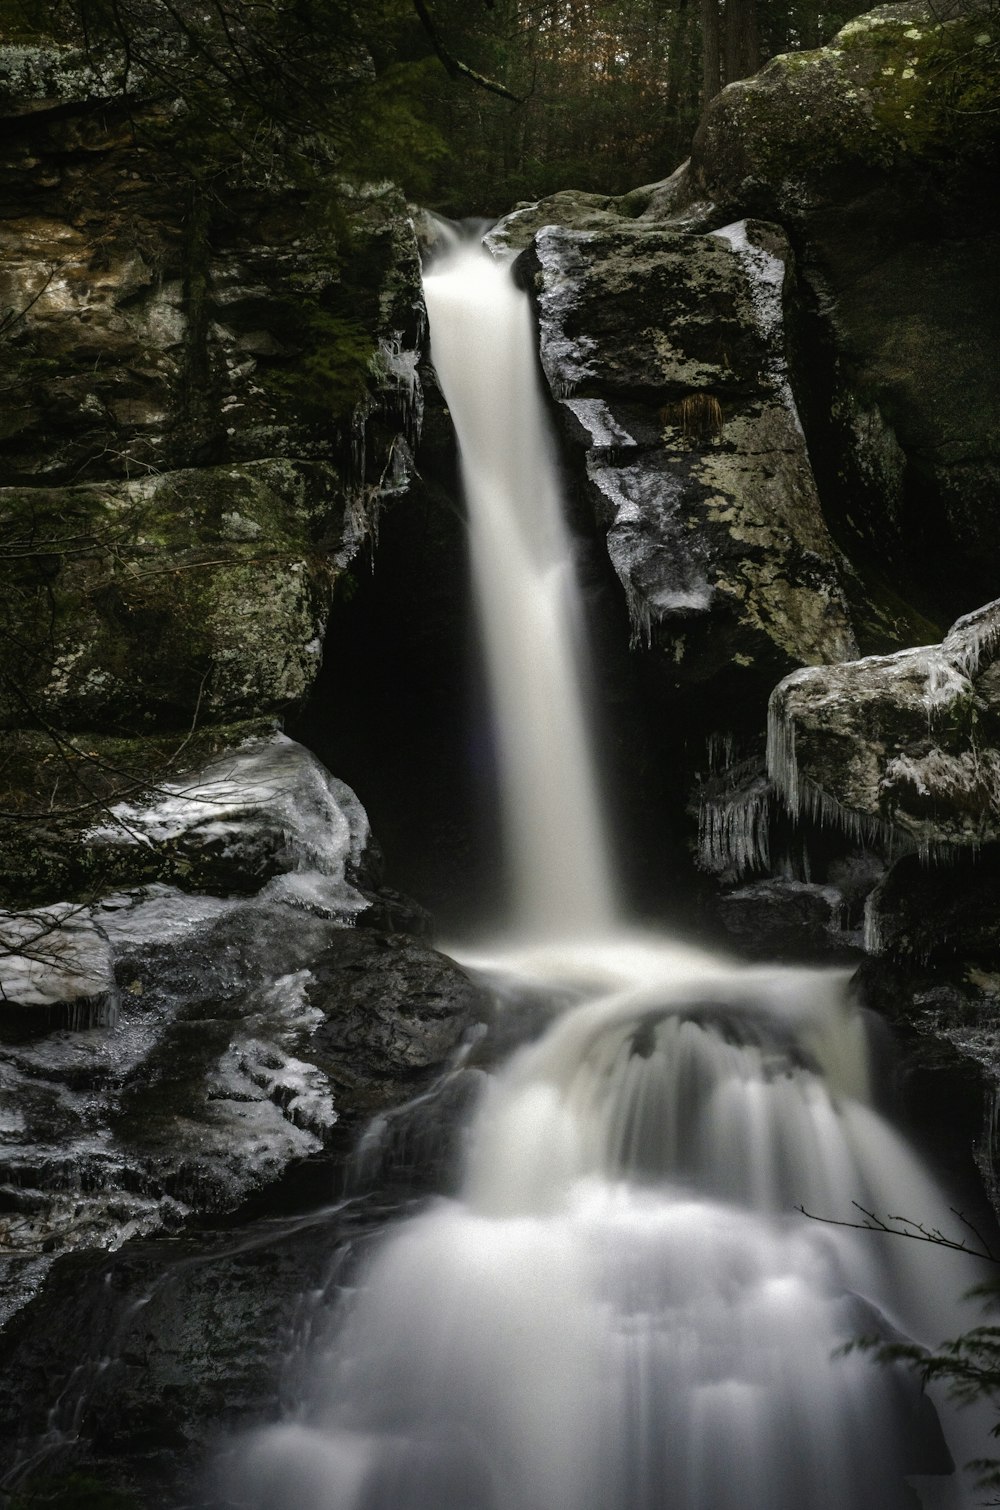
{"x": 734, "y": 831}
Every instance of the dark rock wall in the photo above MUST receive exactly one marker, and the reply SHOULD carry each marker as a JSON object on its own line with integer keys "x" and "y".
{"x": 209, "y": 394}
{"x": 205, "y": 385}
{"x": 884, "y": 171}
{"x": 209, "y": 390}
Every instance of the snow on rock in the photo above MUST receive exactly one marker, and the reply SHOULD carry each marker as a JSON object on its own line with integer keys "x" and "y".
{"x": 661, "y": 568}
{"x": 766, "y": 280}
{"x": 265, "y": 811}
{"x": 903, "y": 748}
{"x": 594, "y": 415}
{"x": 155, "y": 914}
{"x": 56, "y": 969}
{"x": 566, "y": 358}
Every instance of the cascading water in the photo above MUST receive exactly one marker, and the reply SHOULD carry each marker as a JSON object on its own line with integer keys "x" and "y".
{"x": 483, "y": 351}
{"x": 622, "y": 1309}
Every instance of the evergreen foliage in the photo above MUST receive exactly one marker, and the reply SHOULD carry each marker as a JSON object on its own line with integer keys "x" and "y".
{"x": 469, "y": 107}
{"x": 967, "y": 1366}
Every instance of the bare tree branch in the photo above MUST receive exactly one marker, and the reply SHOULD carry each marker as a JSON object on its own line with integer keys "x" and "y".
{"x": 454, "y": 67}
{"x": 916, "y": 1231}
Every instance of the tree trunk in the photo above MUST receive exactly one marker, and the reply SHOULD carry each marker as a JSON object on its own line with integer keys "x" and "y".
{"x": 742, "y": 40}
{"x": 711, "y": 61}
{"x": 677, "y": 58}
{"x": 809, "y": 27}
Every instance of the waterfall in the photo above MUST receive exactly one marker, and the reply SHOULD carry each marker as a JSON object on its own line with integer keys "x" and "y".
{"x": 622, "y": 1308}
{"x": 482, "y": 345}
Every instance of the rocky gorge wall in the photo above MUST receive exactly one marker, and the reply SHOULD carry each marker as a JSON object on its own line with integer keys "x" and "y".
{"x": 776, "y": 373}
{"x": 209, "y": 393}
{"x": 209, "y": 389}
{"x": 778, "y": 429}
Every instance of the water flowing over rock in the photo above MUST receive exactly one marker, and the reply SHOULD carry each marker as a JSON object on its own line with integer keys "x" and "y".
{"x": 527, "y": 599}
{"x": 603, "y": 1295}
{"x": 614, "y": 1302}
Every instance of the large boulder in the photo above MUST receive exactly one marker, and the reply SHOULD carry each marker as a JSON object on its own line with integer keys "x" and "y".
{"x": 899, "y": 747}
{"x": 878, "y": 154}
{"x": 664, "y": 351}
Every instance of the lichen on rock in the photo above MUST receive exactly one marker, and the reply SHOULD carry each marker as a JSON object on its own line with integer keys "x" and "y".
{"x": 665, "y": 352}
{"x": 877, "y": 154}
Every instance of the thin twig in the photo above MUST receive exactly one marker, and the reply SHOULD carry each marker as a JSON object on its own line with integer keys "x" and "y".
{"x": 911, "y": 1229}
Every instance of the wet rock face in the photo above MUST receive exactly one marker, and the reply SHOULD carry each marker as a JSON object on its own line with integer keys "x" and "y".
{"x": 906, "y": 745}
{"x": 393, "y": 1011}
{"x": 785, "y": 920}
{"x": 206, "y": 397}
{"x": 166, "y": 1053}
{"x": 163, "y": 1346}
{"x": 875, "y": 154}
{"x": 942, "y": 915}
{"x": 665, "y": 352}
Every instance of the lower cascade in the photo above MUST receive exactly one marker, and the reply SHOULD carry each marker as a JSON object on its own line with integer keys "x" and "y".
{"x": 623, "y": 1307}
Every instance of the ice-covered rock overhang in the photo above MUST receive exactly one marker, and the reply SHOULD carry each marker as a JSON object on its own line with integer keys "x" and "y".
{"x": 902, "y": 748}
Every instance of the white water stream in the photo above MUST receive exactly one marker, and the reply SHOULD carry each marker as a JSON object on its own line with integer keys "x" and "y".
{"x": 622, "y": 1310}
{"x": 484, "y": 353}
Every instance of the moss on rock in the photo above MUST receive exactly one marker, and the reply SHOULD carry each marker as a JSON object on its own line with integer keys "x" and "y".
{"x": 132, "y": 605}
{"x": 894, "y": 85}
{"x": 878, "y": 153}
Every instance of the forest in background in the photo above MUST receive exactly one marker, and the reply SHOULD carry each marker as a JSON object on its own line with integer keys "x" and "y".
{"x": 470, "y": 105}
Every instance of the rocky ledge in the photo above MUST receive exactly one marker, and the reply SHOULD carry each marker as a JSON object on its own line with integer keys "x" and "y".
{"x": 168, "y": 1052}
{"x": 906, "y": 745}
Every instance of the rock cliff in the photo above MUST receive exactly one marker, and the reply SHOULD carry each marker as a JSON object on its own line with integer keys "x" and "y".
{"x": 878, "y": 154}
{"x": 209, "y": 389}
{"x": 774, "y": 376}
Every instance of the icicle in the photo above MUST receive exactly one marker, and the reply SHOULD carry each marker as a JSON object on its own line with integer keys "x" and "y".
{"x": 734, "y": 832}
{"x": 362, "y": 514}
{"x": 944, "y": 685}
{"x": 721, "y": 749}
{"x": 988, "y": 1148}
{"x": 395, "y": 368}
{"x": 872, "y": 932}
{"x": 359, "y": 437}
{"x": 639, "y": 616}
{"x": 782, "y": 767}
{"x": 972, "y": 641}
{"x": 803, "y": 798}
